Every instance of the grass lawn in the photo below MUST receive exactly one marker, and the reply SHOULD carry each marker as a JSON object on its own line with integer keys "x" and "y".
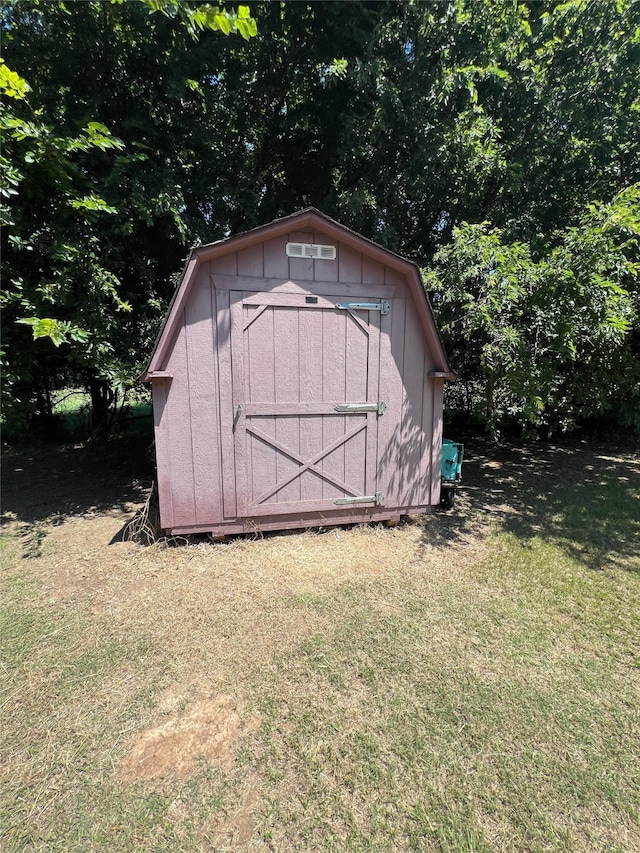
{"x": 465, "y": 682}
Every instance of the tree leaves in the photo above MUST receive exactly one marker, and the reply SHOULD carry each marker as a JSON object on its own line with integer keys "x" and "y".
{"x": 535, "y": 335}
{"x": 93, "y": 203}
{"x": 11, "y": 84}
{"x": 58, "y": 332}
{"x": 204, "y": 16}
{"x": 500, "y": 137}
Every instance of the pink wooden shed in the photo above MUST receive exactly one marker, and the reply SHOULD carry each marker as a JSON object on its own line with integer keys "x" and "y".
{"x": 297, "y": 381}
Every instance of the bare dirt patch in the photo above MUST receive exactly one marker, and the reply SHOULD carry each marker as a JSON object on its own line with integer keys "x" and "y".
{"x": 208, "y": 730}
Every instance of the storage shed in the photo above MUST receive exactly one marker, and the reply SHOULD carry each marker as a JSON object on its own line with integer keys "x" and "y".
{"x": 297, "y": 381}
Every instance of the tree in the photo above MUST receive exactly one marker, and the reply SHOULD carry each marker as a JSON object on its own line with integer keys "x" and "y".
{"x": 82, "y": 204}
{"x": 402, "y": 120}
{"x": 545, "y": 342}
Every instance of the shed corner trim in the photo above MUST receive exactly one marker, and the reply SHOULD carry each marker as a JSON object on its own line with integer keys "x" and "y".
{"x": 150, "y": 375}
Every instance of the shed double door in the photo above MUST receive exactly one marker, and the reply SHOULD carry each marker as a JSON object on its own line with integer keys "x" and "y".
{"x": 306, "y": 402}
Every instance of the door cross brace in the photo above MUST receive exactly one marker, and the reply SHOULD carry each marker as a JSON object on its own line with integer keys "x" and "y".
{"x": 306, "y": 465}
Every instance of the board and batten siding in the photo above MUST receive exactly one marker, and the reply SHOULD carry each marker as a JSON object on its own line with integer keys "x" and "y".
{"x": 227, "y": 337}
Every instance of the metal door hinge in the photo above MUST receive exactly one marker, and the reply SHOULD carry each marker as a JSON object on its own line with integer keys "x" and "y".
{"x": 377, "y": 499}
{"x": 380, "y": 407}
{"x": 383, "y": 306}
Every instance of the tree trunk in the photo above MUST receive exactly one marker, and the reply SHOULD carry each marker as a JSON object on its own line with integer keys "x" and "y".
{"x": 102, "y": 397}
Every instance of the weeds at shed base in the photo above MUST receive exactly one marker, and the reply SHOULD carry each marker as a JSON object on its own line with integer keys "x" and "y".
{"x": 144, "y": 528}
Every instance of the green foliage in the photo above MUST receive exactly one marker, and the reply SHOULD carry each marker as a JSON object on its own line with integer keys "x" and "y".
{"x": 12, "y": 85}
{"x": 92, "y": 202}
{"x": 141, "y": 131}
{"x": 204, "y": 16}
{"x": 58, "y": 332}
{"x": 57, "y": 282}
{"x": 77, "y": 199}
{"x": 546, "y": 341}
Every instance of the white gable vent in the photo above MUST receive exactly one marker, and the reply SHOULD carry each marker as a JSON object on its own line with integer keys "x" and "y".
{"x": 311, "y": 250}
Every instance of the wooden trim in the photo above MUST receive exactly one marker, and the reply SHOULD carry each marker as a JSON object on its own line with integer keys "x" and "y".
{"x": 439, "y": 374}
{"x": 280, "y": 288}
{"x": 373, "y": 393}
{"x": 175, "y": 312}
{"x": 291, "y": 507}
{"x": 324, "y": 407}
{"x": 288, "y": 300}
{"x": 306, "y": 465}
{"x": 436, "y": 441}
{"x": 306, "y": 219}
{"x": 425, "y": 313}
{"x": 163, "y": 452}
{"x": 364, "y": 326}
{"x": 254, "y": 317}
{"x": 225, "y": 384}
{"x": 238, "y": 383}
{"x": 332, "y": 517}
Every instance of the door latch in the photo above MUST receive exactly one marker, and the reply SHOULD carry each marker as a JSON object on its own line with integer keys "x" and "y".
{"x": 236, "y": 417}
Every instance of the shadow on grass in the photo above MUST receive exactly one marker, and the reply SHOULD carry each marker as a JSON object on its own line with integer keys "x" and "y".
{"x": 45, "y": 485}
{"x": 584, "y": 499}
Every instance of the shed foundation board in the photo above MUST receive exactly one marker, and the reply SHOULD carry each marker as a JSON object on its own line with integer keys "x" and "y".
{"x": 251, "y": 525}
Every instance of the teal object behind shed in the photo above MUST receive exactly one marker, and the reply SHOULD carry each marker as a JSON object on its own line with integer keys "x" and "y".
{"x": 452, "y": 457}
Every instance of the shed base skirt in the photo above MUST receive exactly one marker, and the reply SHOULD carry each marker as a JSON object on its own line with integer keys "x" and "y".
{"x": 265, "y": 523}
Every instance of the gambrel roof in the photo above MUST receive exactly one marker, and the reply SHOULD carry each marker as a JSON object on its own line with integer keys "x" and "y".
{"x": 305, "y": 219}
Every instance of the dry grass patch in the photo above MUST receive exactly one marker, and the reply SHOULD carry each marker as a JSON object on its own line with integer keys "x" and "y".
{"x": 217, "y": 609}
{"x": 466, "y": 683}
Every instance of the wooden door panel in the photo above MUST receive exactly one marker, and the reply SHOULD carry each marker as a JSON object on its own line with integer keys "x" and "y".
{"x": 294, "y": 465}
{"x": 294, "y": 361}
{"x": 287, "y": 388}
